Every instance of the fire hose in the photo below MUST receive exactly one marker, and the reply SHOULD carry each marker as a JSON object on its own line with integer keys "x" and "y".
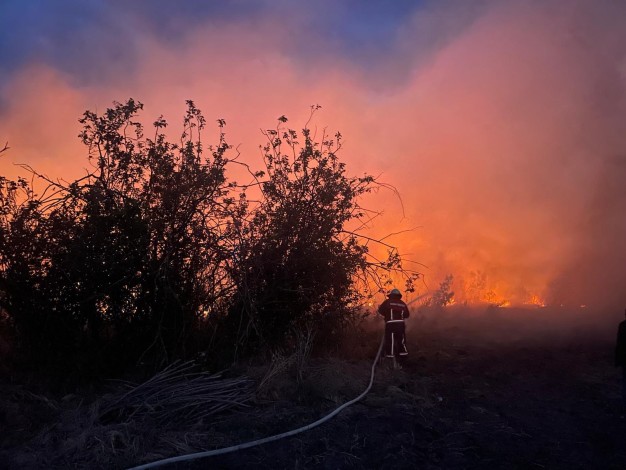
{"x": 265, "y": 440}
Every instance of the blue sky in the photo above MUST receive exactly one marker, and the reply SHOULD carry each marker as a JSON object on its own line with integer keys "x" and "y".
{"x": 80, "y": 37}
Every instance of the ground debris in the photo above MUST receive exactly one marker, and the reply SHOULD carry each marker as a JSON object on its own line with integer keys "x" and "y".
{"x": 178, "y": 393}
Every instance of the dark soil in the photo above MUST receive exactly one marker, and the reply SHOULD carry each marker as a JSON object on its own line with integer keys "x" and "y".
{"x": 486, "y": 392}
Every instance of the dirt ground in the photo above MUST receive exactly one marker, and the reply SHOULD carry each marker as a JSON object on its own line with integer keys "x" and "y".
{"x": 486, "y": 391}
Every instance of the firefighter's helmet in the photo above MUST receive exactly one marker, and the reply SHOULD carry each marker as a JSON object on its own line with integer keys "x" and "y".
{"x": 394, "y": 293}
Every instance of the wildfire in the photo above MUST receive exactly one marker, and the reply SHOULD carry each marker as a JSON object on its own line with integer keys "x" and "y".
{"x": 480, "y": 290}
{"x": 535, "y": 300}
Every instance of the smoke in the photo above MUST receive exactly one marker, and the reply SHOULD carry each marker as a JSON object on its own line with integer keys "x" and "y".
{"x": 501, "y": 123}
{"x": 519, "y": 116}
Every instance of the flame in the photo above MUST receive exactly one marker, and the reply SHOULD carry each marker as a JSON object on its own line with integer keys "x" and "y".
{"x": 536, "y": 300}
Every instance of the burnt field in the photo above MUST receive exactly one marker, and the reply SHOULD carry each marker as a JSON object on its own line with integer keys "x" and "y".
{"x": 500, "y": 388}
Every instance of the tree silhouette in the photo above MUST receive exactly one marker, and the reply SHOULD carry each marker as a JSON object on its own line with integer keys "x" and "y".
{"x": 154, "y": 247}
{"x": 297, "y": 261}
{"x": 125, "y": 259}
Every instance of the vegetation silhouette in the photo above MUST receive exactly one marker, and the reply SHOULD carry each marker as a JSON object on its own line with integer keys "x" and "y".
{"x": 156, "y": 254}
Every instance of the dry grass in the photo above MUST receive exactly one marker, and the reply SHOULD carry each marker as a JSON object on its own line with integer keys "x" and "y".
{"x": 177, "y": 394}
{"x": 474, "y": 388}
{"x": 168, "y": 414}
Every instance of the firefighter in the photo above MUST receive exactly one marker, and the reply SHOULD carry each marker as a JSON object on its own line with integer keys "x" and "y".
{"x": 620, "y": 358}
{"x": 394, "y": 311}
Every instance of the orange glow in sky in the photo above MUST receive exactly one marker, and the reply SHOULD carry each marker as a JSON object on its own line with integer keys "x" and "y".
{"x": 505, "y": 140}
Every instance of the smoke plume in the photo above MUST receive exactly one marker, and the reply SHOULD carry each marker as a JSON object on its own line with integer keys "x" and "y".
{"x": 501, "y": 124}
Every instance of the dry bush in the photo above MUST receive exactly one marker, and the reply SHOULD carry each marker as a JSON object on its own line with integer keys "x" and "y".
{"x": 283, "y": 366}
{"x": 276, "y": 369}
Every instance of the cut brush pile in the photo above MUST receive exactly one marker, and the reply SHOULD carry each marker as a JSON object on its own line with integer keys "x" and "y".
{"x": 176, "y": 394}
{"x": 173, "y": 412}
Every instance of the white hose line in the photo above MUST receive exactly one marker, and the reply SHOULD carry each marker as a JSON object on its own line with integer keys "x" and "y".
{"x": 265, "y": 440}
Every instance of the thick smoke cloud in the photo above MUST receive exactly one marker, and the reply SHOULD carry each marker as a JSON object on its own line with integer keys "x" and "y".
{"x": 501, "y": 123}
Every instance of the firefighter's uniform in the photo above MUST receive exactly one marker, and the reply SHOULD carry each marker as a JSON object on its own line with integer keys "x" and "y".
{"x": 394, "y": 311}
